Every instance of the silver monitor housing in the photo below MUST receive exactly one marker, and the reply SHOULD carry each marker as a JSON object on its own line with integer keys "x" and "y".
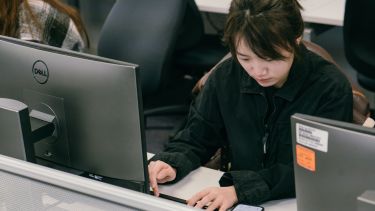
{"x": 333, "y": 163}
{"x": 97, "y": 103}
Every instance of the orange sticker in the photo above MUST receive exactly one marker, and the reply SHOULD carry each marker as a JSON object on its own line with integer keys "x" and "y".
{"x": 305, "y": 157}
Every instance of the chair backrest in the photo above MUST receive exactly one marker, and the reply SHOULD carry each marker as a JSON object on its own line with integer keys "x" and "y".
{"x": 197, "y": 51}
{"x": 359, "y": 40}
{"x": 191, "y": 29}
{"x": 143, "y": 32}
{"x": 361, "y": 108}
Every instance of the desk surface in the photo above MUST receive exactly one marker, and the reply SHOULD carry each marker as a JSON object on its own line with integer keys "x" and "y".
{"x": 204, "y": 177}
{"x": 330, "y": 12}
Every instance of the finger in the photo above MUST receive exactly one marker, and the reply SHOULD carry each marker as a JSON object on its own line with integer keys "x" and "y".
{"x": 225, "y": 206}
{"x": 165, "y": 175}
{"x": 155, "y": 189}
{"x": 215, "y": 204}
{"x": 194, "y": 199}
{"x": 153, "y": 169}
{"x": 206, "y": 200}
{"x": 164, "y": 180}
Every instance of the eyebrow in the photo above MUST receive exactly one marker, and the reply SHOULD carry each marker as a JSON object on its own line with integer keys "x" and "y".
{"x": 241, "y": 54}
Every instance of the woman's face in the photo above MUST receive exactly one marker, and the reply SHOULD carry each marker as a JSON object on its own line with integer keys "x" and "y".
{"x": 266, "y": 72}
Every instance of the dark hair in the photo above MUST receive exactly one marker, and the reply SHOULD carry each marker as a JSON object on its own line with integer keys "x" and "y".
{"x": 268, "y": 26}
{"x": 8, "y": 17}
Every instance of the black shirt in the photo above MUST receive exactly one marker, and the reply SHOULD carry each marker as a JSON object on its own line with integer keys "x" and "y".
{"x": 232, "y": 110}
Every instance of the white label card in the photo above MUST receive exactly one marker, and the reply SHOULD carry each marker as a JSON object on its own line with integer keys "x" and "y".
{"x": 312, "y": 137}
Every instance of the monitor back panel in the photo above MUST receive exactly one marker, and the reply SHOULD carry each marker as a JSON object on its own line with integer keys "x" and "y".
{"x": 97, "y": 104}
{"x": 333, "y": 166}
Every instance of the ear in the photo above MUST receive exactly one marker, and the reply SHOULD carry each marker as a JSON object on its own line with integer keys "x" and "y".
{"x": 298, "y": 40}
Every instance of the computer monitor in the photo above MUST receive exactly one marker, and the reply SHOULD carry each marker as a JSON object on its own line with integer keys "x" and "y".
{"x": 334, "y": 163}
{"x": 97, "y": 103}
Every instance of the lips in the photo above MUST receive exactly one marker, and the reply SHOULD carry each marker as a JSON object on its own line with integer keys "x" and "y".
{"x": 263, "y": 79}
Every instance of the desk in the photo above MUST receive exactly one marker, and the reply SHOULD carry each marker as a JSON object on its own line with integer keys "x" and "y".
{"x": 204, "y": 177}
{"x": 329, "y": 12}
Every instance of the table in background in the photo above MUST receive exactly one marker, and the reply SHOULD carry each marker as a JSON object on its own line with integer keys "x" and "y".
{"x": 329, "y": 12}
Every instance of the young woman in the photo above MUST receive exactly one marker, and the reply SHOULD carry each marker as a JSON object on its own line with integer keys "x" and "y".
{"x": 246, "y": 104}
{"x": 49, "y": 22}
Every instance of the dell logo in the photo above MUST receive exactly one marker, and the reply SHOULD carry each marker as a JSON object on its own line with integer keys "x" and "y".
{"x": 40, "y": 72}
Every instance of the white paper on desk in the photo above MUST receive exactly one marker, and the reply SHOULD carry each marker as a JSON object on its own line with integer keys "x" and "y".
{"x": 193, "y": 183}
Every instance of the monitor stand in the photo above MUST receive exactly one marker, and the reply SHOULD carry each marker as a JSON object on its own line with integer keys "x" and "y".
{"x": 20, "y": 130}
{"x": 17, "y": 134}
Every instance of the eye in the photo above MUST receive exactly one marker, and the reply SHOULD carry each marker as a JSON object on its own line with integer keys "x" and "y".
{"x": 245, "y": 59}
{"x": 268, "y": 60}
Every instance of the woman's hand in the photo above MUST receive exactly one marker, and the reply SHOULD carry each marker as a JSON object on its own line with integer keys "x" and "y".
{"x": 221, "y": 198}
{"x": 160, "y": 172}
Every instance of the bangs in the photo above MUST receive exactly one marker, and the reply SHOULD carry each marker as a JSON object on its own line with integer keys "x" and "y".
{"x": 266, "y": 38}
{"x": 269, "y": 27}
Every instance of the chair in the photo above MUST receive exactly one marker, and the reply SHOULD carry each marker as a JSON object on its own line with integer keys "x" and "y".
{"x": 73, "y": 3}
{"x": 196, "y": 52}
{"x": 361, "y": 109}
{"x": 143, "y": 32}
{"x": 359, "y": 42}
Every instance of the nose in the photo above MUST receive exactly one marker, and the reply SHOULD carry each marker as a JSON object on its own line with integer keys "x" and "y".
{"x": 259, "y": 69}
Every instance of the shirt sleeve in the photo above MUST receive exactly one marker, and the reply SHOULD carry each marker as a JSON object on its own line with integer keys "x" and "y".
{"x": 336, "y": 97}
{"x": 73, "y": 39}
{"x": 201, "y": 137}
{"x": 338, "y": 107}
{"x": 257, "y": 187}
{"x": 50, "y": 27}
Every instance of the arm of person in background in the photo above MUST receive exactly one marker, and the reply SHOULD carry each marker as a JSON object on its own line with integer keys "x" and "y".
{"x": 42, "y": 23}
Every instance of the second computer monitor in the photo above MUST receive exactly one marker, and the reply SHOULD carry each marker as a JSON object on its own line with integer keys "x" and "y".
{"x": 333, "y": 163}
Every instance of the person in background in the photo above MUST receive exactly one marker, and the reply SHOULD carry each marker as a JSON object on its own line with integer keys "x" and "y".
{"x": 246, "y": 105}
{"x": 50, "y": 22}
